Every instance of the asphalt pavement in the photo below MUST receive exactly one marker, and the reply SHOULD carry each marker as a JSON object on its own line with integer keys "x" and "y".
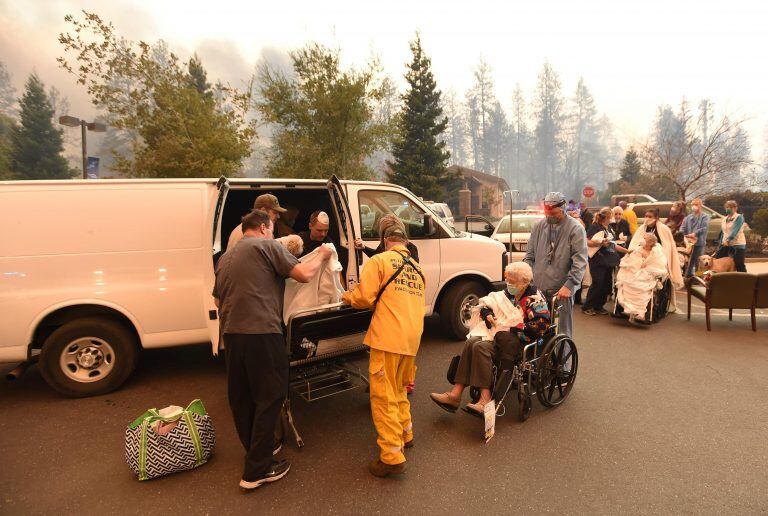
{"x": 665, "y": 419}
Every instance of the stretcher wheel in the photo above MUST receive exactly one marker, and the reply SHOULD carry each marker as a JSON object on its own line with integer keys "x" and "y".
{"x": 557, "y": 371}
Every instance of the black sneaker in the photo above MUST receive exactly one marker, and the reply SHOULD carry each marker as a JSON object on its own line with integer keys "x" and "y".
{"x": 276, "y": 471}
{"x": 601, "y": 311}
{"x": 588, "y": 311}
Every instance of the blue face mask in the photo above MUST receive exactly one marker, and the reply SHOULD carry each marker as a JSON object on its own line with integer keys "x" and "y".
{"x": 513, "y": 290}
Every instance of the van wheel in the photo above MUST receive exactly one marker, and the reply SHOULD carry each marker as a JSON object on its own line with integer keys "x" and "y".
{"x": 87, "y": 357}
{"x": 456, "y": 307}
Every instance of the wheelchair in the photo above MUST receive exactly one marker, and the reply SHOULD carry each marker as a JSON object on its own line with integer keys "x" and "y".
{"x": 546, "y": 369}
{"x": 658, "y": 306}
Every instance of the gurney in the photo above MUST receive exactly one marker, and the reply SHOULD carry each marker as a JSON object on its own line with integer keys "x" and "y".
{"x": 319, "y": 339}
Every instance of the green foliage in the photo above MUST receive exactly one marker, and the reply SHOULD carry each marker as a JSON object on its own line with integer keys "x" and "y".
{"x": 659, "y": 187}
{"x": 180, "y": 129}
{"x": 760, "y": 222}
{"x": 7, "y": 125}
{"x": 323, "y": 116}
{"x": 749, "y": 203}
{"x": 36, "y": 144}
{"x": 7, "y": 92}
{"x": 631, "y": 167}
{"x": 197, "y": 77}
{"x": 420, "y": 158}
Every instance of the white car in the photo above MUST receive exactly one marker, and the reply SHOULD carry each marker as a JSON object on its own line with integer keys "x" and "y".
{"x": 91, "y": 272}
{"x": 522, "y": 224}
{"x": 442, "y": 210}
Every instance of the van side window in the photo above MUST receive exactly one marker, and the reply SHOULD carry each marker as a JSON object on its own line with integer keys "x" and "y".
{"x": 374, "y": 204}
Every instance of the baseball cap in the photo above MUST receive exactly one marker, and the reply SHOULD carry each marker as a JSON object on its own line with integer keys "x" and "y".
{"x": 394, "y": 231}
{"x": 268, "y": 202}
{"x": 553, "y": 199}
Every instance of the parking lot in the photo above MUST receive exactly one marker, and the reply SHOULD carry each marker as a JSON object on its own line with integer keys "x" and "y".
{"x": 665, "y": 419}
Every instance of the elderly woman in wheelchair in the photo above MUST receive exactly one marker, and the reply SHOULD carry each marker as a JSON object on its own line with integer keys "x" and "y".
{"x": 502, "y": 324}
{"x": 640, "y": 273}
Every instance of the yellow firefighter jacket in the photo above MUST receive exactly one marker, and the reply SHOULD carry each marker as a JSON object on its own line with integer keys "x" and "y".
{"x": 398, "y": 317}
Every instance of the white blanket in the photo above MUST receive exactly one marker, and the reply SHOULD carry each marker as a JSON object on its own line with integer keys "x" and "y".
{"x": 670, "y": 252}
{"x": 507, "y": 316}
{"x": 325, "y": 288}
{"x": 637, "y": 277}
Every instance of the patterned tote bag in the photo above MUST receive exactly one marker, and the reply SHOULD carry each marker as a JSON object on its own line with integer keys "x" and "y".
{"x": 169, "y": 440}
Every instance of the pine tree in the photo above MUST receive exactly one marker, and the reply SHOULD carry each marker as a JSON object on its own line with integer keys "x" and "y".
{"x": 630, "y": 167}
{"x": 480, "y": 104}
{"x": 548, "y": 107}
{"x": 7, "y": 93}
{"x": 36, "y": 143}
{"x": 420, "y": 158}
{"x": 198, "y": 78}
{"x": 6, "y": 131}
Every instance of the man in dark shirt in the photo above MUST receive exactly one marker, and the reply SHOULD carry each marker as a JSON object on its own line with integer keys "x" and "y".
{"x": 586, "y": 215}
{"x": 249, "y": 287}
{"x": 318, "y": 232}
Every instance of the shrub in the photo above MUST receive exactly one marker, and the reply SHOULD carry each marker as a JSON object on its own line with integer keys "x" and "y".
{"x": 760, "y": 222}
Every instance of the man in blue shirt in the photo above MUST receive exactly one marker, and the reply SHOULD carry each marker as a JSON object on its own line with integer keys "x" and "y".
{"x": 694, "y": 227}
{"x": 557, "y": 253}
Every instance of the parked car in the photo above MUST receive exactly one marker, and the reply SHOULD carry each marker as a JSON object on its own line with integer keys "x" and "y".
{"x": 715, "y": 218}
{"x": 132, "y": 266}
{"x": 631, "y": 198}
{"x": 522, "y": 224}
{"x": 442, "y": 210}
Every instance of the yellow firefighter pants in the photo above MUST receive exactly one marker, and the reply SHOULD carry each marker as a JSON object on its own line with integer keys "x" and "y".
{"x": 389, "y": 373}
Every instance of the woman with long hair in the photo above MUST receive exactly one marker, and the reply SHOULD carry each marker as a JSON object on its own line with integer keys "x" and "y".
{"x": 732, "y": 240}
{"x": 601, "y": 242}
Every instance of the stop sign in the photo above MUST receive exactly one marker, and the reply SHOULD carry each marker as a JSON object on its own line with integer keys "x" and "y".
{"x": 588, "y": 191}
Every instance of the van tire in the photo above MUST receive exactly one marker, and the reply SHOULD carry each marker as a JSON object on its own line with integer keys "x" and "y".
{"x": 451, "y": 307}
{"x": 102, "y": 355}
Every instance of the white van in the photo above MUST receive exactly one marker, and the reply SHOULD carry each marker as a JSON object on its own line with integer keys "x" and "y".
{"x": 93, "y": 271}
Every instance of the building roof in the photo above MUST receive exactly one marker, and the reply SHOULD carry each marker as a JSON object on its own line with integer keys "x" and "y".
{"x": 480, "y": 177}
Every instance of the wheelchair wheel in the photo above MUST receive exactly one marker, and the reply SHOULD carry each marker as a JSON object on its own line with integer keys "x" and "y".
{"x": 523, "y": 405}
{"x": 663, "y": 300}
{"x": 557, "y": 370}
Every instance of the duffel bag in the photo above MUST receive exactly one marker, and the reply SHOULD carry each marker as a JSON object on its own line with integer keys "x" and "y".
{"x": 165, "y": 441}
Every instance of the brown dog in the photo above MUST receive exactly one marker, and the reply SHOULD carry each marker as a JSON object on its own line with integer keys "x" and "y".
{"x": 707, "y": 263}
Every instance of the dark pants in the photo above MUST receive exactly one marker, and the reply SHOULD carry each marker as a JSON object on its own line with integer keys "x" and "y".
{"x": 602, "y": 282}
{"x": 693, "y": 260}
{"x": 257, "y": 382}
{"x": 735, "y": 253}
{"x": 476, "y": 363}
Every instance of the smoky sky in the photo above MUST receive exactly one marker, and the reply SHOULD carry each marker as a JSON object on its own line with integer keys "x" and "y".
{"x": 635, "y": 55}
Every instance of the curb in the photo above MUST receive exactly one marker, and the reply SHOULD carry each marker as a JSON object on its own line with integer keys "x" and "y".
{"x": 755, "y": 260}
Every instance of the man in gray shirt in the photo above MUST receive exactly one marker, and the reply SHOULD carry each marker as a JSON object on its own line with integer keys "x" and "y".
{"x": 557, "y": 253}
{"x": 250, "y": 282}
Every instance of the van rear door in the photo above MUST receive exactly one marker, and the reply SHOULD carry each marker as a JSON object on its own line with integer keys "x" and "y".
{"x": 212, "y": 318}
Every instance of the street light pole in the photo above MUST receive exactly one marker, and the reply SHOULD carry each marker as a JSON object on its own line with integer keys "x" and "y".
{"x": 83, "y": 126}
{"x": 512, "y": 194}
{"x": 72, "y": 121}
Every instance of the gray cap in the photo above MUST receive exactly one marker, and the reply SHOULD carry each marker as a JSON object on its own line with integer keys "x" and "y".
{"x": 554, "y": 199}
